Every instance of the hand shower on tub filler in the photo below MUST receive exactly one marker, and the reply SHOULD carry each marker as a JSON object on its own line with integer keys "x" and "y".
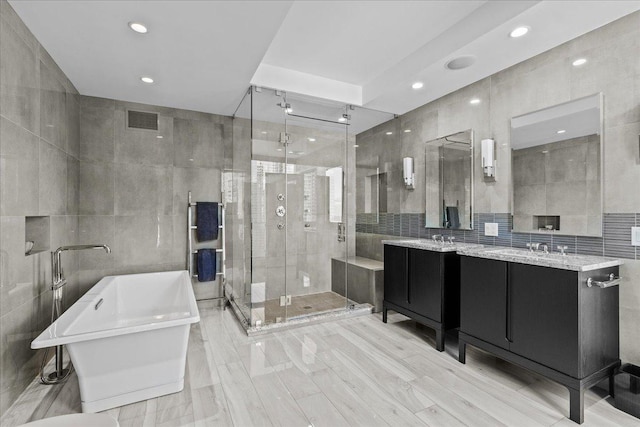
{"x": 58, "y": 281}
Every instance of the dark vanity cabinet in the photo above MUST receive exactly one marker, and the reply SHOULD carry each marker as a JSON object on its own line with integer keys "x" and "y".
{"x": 544, "y": 319}
{"x": 423, "y": 285}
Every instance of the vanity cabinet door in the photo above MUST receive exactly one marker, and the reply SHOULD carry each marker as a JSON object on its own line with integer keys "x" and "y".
{"x": 544, "y": 316}
{"x": 395, "y": 275}
{"x": 483, "y": 299}
{"x": 425, "y": 283}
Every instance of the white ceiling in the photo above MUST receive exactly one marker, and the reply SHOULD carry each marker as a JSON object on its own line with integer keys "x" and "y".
{"x": 204, "y": 54}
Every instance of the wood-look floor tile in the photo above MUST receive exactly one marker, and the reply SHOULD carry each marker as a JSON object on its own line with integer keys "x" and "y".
{"x": 436, "y": 416}
{"x": 321, "y": 412}
{"x": 244, "y": 405}
{"x": 391, "y": 410}
{"x": 279, "y": 404}
{"x": 355, "y": 410}
{"x": 210, "y": 405}
{"x": 464, "y": 410}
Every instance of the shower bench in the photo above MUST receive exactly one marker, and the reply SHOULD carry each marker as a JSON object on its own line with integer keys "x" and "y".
{"x": 365, "y": 280}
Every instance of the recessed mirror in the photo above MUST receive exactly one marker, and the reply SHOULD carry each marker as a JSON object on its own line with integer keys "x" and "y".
{"x": 556, "y": 163}
{"x": 449, "y": 181}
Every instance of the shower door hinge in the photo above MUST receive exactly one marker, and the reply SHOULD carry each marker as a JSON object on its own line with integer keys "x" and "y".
{"x": 285, "y": 300}
{"x": 284, "y": 138}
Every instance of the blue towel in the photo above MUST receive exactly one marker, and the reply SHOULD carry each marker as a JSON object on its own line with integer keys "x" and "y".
{"x": 207, "y": 221}
{"x": 207, "y": 265}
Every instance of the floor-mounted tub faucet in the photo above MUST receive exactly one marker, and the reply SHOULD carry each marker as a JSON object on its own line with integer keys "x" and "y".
{"x": 57, "y": 282}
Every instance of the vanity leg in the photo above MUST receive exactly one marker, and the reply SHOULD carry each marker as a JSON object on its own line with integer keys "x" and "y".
{"x": 462, "y": 351}
{"x": 576, "y": 405}
{"x": 439, "y": 339}
{"x": 384, "y": 314}
{"x": 612, "y": 384}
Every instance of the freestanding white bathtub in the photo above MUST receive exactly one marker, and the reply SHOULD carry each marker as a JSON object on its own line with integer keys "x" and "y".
{"x": 127, "y": 337}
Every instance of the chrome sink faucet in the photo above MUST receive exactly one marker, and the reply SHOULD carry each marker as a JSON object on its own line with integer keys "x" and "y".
{"x": 533, "y": 247}
{"x": 545, "y": 248}
{"x": 435, "y": 238}
{"x": 451, "y": 239}
{"x": 563, "y": 249}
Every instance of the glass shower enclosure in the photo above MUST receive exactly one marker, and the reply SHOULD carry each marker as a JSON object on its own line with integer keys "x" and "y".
{"x": 290, "y": 211}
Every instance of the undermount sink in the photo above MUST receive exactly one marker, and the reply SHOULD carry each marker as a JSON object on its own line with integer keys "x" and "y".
{"x": 525, "y": 253}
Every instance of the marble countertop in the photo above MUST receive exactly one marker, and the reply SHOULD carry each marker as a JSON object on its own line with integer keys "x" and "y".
{"x": 552, "y": 260}
{"x": 430, "y": 245}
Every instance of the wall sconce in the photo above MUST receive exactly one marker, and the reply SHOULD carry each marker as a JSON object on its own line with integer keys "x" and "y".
{"x": 407, "y": 172}
{"x": 489, "y": 159}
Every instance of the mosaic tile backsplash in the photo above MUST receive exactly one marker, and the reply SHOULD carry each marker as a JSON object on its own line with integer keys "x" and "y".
{"x": 616, "y": 240}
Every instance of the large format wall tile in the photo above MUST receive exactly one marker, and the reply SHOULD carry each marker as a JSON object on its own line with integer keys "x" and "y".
{"x": 96, "y": 132}
{"x": 96, "y": 183}
{"x": 19, "y": 170}
{"x": 141, "y": 190}
{"x": 198, "y": 143}
{"x": 143, "y": 146}
{"x": 53, "y": 107}
{"x": 143, "y": 240}
{"x": 53, "y": 180}
{"x": 19, "y": 80}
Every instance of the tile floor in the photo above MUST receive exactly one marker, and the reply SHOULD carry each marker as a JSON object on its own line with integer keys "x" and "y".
{"x": 351, "y": 372}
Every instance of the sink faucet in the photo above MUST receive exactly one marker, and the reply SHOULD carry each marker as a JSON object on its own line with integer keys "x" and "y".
{"x": 58, "y": 281}
{"x": 451, "y": 239}
{"x": 545, "y": 248}
{"x": 533, "y": 246}
{"x": 435, "y": 237}
{"x": 563, "y": 249}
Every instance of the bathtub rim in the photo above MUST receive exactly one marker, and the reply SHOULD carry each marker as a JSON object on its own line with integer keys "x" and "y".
{"x": 50, "y": 338}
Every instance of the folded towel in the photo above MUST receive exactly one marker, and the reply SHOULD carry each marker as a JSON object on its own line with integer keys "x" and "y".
{"x": 453, "y": 221}
{"x": 207, "y": 221}
{"x": 207, "y": 265}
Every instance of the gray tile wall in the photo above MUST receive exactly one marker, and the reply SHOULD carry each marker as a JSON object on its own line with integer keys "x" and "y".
{"x": 545, "y": 80}
{"x": 134, "y": 183}
{"x": 39, "y": 172}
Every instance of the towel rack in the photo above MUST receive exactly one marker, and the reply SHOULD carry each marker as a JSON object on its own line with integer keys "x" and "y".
{"x": 191, "y": 252}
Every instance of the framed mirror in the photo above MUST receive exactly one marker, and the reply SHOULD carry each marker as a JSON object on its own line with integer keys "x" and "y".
{"x": 556, "y": 164}
{"x": 449, "y": 181}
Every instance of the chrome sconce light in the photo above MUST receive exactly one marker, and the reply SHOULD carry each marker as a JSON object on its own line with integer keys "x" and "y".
{"x": 489, "y": 159}
{"x": 408, "y": 173}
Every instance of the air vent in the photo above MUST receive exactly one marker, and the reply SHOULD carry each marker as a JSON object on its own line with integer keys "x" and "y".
{"x": 142, "y": 120}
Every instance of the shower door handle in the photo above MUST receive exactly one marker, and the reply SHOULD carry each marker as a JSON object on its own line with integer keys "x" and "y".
{"x": 341, "y": 232}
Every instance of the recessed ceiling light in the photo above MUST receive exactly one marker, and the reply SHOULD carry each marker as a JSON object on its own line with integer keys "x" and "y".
{"x": 417, "y": 85}
{"x": 474, "y": 101}
{"x": 311, "y": 139}
{"x": 264, "y": 132}
{"x": 138, "y": 27}
{"x": 519, "y": 32}
{"x": 342, "y": 119}
{"x": 279, "y": 149}
{"x": 545, "y": 151}
{"x": 159, "y": 136}
{"x": 356, "y": 146}
{"x": 407, "y": 130}
{"x": 561, "y": 131}
{"x": 579, "y": 62}
{"x": 461, "y": 62}
{"x": 146, "y": 79}
{"x": 389, "y": 133}
{"x": 290, "y": 152}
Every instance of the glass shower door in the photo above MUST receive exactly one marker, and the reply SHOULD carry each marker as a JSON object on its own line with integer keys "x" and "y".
{"x": 317, "y": 212}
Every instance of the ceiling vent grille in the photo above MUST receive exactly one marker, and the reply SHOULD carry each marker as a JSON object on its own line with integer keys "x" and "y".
{"x": 142, "y": 120}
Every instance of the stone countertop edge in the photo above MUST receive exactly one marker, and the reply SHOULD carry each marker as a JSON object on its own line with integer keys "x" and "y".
{"x": 572, "y": 262}
{"x": 429, "y": 245}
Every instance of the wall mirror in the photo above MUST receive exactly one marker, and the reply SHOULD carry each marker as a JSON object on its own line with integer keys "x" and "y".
{"x": 556, "y": 164}
{"x": 371, "y": 197}
{"x": 449, "y": 181}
